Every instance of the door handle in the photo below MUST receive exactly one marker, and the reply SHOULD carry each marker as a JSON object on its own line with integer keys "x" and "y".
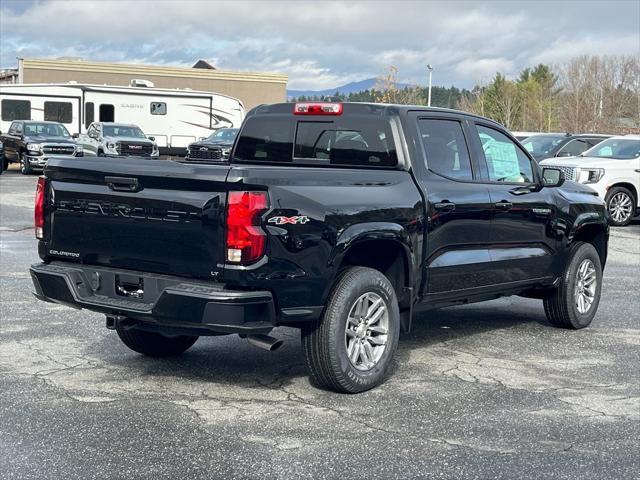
{"x": 123, "y": 184}
{"x": 503, "y": 205}
{"x": 445, "y": 205}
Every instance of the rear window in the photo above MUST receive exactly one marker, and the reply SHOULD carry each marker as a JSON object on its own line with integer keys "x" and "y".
{"x": 360, "y": 141}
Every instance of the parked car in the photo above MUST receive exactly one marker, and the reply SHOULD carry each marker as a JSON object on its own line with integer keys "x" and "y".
{"x": 106, "y": 139}
{"x": 215, "y": 147}
{"x": 611, "y": 168}
{"x": 34, "y": 143}
{"x": 549, "y": 145}
{"x": 343, "y": 220}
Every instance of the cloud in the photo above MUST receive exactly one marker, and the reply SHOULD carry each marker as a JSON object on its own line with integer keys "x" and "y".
{"x": 322, "y": 44}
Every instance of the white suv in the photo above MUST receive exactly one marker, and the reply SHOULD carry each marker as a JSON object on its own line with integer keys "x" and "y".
{"x": 612, "y": 168}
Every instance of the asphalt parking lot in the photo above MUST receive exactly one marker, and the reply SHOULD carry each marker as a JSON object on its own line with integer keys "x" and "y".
{"x": 481, "y": 391}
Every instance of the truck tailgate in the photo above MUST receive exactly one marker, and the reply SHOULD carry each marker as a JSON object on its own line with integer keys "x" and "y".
{"x": 151, "y": 215}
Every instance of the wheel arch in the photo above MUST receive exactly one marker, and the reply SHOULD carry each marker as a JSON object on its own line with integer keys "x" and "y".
{"x": 384, "y": 247}
{"x": 629, "y": 186}
{"x": 597, "y": 234}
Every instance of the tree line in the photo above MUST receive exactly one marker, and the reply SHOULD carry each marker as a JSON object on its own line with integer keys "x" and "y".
{"x": 588, "y": 94}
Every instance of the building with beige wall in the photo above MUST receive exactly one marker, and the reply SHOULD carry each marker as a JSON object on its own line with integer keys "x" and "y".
{"x": 249, "y": 87}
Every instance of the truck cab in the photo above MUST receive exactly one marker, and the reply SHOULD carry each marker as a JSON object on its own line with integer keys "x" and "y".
{"x": 108, "y": 139}
{"x": 341, "y": 219}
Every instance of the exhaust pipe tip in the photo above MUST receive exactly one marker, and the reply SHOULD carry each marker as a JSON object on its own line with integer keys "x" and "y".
{"x": 265, "y": 342}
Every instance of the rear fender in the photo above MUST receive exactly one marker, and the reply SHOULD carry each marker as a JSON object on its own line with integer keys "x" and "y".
{"x": 361, "y": 233}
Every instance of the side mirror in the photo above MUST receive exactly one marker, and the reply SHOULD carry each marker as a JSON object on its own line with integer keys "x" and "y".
{"x": 552, "y": 177}
{"x": 153, "y": 139}
{"x": 75, "y": 135}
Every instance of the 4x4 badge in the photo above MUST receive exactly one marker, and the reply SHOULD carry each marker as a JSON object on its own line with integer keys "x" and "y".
{"x": 297, "y": 220}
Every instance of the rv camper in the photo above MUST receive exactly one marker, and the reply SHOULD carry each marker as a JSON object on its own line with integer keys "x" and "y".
{"x": 175, "y": 118}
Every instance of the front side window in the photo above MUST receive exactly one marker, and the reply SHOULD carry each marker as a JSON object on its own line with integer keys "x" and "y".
{"x": 445, "y": 147}
{"x": 58, "y": 112}
{"x": 505, "y": 161}
{"x": 573, "y": 148}
{"x": 15, "y": 110}
{"x": 158, "y": 108}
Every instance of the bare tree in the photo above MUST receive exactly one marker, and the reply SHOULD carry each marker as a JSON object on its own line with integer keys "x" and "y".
{"x": 387, "y": 90}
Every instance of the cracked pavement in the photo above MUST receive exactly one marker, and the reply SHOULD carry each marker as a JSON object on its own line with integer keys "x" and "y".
{"x": 481, "y": 391}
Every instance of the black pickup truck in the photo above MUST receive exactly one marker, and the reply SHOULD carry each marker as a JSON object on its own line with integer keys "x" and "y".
{"x": 32, "y": 143}
{"x": 344, "y": 220}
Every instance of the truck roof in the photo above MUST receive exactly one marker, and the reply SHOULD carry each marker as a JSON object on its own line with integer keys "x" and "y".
{"x": 286, "y": 107}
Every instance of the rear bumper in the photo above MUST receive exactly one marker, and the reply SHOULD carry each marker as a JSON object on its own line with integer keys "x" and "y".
{"x": 168, "y": 303}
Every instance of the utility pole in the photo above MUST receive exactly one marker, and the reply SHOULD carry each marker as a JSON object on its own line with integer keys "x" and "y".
{"x": 430, "y": 68}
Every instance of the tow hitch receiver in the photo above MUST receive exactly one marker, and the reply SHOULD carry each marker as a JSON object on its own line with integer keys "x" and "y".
{"x": 129, "y": 286}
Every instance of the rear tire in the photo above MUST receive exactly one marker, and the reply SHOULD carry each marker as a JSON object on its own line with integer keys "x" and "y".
{"x": 575, "y": 302}
{"x": 153, "y": 344}
{"x": 621, "y": 205}
{"x": 351, "y": 347}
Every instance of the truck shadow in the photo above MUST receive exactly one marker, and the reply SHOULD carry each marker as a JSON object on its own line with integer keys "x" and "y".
{"x": 231, "y": 361}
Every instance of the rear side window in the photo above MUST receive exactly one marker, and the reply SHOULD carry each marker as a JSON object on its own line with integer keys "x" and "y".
{"x": 445, "y": 147}
{"x": 58, "y": 112}
{"x": 360, "y": 141}
{"x": 16, "y": 110}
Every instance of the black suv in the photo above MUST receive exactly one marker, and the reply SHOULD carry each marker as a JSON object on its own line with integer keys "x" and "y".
{"x": 549, "y": 145}
{"x": 343, "y": 220}
{"x": 215, "y": 147}
{"x": 33, "y": 143}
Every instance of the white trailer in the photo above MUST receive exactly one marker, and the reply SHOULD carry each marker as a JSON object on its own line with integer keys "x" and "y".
{"x": 174, "y": 117}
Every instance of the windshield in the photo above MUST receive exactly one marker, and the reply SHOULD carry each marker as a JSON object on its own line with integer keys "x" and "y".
{"x": 541, "y": 145}
{"x": 224, "y": 135}
{"x": 122, "y": 131}
{"x": 619, "y": 148}
{"x": 46, "y": 130}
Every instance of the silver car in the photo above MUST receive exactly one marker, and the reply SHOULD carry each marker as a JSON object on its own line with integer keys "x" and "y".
{"x": 106, "y": 139}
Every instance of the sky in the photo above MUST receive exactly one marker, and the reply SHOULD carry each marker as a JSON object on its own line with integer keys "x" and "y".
{"x": 324, "y": 44}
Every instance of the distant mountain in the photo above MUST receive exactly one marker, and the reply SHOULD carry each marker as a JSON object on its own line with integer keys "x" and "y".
{"x": 352, "y": 87}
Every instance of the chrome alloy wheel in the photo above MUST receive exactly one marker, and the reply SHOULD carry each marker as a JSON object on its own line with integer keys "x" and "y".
{"x": 620, "y": 207}
{"x": 586, "y": 283}
{"x": 366, "y": 331}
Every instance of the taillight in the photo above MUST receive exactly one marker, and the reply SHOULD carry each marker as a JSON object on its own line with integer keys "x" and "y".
{"x": 38, "y": 211}
{"x": 317, "y": 109}
{"x": 246, "y": 242}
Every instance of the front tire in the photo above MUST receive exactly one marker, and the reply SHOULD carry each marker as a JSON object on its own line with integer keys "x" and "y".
{"x": 621, "y": 205}
{"x": 575, "y": 302}
{"x": 153, "y": 344}
{"x": 351, "y": 347}
{"x": 25, "y": 168}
